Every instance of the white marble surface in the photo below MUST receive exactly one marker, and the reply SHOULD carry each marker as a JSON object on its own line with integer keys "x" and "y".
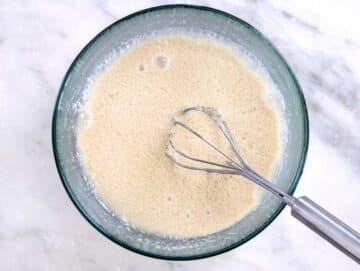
{"x": 40, "y": 229}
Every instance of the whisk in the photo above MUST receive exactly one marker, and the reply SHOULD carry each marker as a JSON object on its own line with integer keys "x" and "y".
{"x": 304, "y": 209}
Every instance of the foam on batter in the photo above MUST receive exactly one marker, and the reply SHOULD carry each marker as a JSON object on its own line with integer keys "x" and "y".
{"x": 129, "y": 109}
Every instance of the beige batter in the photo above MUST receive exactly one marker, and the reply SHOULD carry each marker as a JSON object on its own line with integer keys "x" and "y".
{"x": 123, "y": 144}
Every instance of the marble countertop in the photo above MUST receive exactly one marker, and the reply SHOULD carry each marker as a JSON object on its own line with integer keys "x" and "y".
{"x": 40, "y": 229}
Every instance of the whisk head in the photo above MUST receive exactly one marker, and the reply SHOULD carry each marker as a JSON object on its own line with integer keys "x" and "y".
{"x": 230, "y": 163}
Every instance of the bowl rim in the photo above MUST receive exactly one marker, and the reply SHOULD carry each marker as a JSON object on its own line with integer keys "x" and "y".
{"x": 296, "y": 177}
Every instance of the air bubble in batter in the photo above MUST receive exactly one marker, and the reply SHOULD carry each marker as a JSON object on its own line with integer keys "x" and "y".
{"x": 161, "y": 61}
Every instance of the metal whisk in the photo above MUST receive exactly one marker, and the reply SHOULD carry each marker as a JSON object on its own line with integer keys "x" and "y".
{"x": 305, "y": 210}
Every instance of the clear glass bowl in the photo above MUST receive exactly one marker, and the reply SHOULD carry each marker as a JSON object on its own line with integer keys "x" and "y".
{"x": 70, "y": 97}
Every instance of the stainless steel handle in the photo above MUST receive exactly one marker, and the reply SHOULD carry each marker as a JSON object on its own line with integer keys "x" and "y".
{"x": 328, "y": 226}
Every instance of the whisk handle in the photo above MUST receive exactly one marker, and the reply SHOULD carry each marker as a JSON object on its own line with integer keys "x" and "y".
{"x": 328, "y": 226}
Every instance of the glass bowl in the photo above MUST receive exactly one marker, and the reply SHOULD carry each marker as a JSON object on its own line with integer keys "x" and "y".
{"x": 117, "y": 36}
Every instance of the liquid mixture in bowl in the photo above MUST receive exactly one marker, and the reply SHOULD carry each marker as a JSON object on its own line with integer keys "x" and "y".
{"x": 124, "y": 139}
